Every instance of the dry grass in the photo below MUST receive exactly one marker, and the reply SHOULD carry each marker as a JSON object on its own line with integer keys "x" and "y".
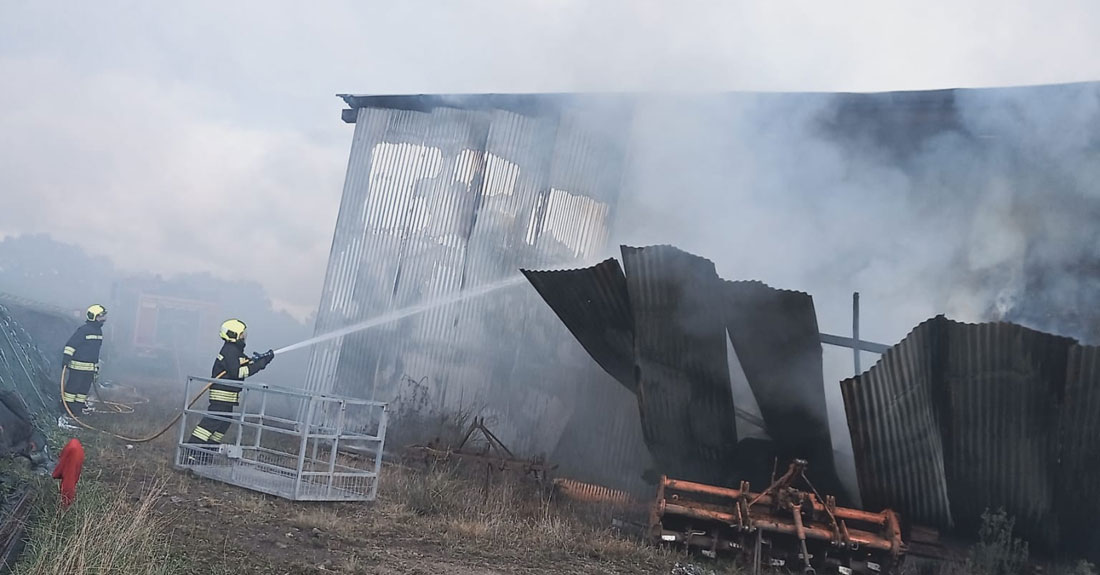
{"x": 444, "y": 519}
{"x": 103, "y": 532}
{"x": 510, "y": 517}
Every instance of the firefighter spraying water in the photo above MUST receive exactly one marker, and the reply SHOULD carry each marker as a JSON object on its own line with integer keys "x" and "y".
{"x": 232, "y": 363}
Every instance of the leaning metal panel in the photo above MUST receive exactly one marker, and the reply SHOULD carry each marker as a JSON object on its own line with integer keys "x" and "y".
{"x": 333, "y": 452}
{"x": 447, "y": 200}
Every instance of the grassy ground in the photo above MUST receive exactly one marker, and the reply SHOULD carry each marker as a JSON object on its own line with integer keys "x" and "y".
{"x": 135, "y": 514}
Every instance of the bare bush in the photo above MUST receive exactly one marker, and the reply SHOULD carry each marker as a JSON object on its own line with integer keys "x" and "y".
{"x": 998, "y": 551}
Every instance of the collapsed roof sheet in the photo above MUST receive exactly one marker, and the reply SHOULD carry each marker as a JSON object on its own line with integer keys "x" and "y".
{"x": 958, "y": 418}
{"x": 594, "y": 305}
{"x": 776, "y": 337}
{"x": 680, "y": 358}
{"x": 680, "y": 312}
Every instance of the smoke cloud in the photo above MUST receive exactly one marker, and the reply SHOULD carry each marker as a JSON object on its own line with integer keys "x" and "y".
{"x": 142, "y": 114}
{"x": 204, "y": 138}
{"x": 983, "y": 212}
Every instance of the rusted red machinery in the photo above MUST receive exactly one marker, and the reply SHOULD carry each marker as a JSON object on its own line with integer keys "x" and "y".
{"x": 782, "y": 527}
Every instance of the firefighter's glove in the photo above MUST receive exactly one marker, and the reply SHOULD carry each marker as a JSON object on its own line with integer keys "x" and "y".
{"x": 261, "y": 360}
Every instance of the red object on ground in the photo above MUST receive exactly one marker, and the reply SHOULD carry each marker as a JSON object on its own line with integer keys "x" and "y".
{"x": 68, "y": 471}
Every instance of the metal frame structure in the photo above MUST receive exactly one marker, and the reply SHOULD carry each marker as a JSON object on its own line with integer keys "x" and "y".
{"x": 854, "y": 343}
{"x": 332, "y": 453}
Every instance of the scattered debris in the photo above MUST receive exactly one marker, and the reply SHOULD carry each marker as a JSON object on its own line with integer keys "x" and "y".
{"x": 689, "y": 569}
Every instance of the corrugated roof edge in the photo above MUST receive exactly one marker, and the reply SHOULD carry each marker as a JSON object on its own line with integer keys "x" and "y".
{"x": 534, "y": 101}
{"x": 958, "y": 322}
{"x": 566, "y": 270}
{"x": 37, "y": 306}
{"x": 769, "y": 286}
{"x": 762, "y": 283}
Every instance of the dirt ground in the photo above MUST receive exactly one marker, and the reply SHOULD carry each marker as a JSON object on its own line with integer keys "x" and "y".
{"x": 420, "y": 523}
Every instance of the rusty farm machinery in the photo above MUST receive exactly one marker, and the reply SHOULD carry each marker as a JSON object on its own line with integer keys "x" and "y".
{"x": 492, "y": 454}
{"x": 783, "y": 526}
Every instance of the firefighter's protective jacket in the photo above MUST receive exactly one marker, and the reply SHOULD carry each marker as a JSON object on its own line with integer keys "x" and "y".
{"x": 233, "y": 364}
{"x": 82, "y": 349}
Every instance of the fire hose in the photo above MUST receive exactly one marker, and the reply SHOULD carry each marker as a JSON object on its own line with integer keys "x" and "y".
{"x": 117, "y": 407}
{"x": 64, "y": 370}
{"x": 175, "y": 419}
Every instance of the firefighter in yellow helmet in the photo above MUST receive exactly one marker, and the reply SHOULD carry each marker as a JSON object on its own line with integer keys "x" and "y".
{"x": 80, "y": 360}
{"x": 232, "y": 364}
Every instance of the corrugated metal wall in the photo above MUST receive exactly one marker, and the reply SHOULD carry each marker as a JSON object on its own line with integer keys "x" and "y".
{"x": 447, "y": 199}
{"x": 30, "y": 353}
{"x": 895, "y": 432}
{"x": 1079, "y": 505}
{"x": 960, "y": 418}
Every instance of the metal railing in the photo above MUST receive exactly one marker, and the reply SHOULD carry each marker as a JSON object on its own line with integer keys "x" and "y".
{"x": 331, "y": 452}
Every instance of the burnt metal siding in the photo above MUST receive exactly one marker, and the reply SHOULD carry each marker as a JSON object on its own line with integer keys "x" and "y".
{"x": 1004, "y": 384}
{"x": 959, "y": 418}
{"x": 442, "y": 199}
{"x": 895, "y": 432}
{"x": 669, "y": 315}
{"x": 775, "y": 336}
{"x": 682, "y": 370}
{"x": 1079, "y": 503}
{"x": 594, "y": 305}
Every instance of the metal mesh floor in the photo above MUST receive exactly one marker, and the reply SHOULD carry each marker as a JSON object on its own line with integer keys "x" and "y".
{"x": 254, "y": 476}
{"x": 332, "y": 453}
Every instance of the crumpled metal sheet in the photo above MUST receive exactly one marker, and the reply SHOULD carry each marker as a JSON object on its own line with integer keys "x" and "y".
{"x": 895, "y": 432}
{"x": 680, "y": 352}
{"x": 681, "y": 312}
{"x": 594, "y": 305}
{"x": 775, "y": 335}
{"x": 959, "y": 418}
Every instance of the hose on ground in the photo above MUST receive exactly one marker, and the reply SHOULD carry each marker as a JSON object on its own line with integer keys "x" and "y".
{"x": 64, "y": 371}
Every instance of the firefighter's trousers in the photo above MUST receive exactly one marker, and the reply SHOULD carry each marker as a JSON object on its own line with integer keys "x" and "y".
{"x": 77, "y": 385}
{"x": 212, "y": 431}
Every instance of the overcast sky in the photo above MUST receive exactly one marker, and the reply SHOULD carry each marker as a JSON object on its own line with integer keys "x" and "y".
{"x": 205, "y": 136}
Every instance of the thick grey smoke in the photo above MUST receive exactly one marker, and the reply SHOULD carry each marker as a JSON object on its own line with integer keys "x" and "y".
{"x": 984, "y": 212}
{"x": 63, "y": 275}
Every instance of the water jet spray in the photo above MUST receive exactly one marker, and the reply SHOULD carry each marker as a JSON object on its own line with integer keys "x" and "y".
{"x": 404, "y": 313}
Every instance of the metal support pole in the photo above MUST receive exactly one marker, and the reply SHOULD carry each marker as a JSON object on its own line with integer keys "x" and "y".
{"x": 335, "y": 447}
{"x": 378, "y": 456}
{"x": 240, "y": 417}
{"x": 855, "y": 330}
{"x": 263, "y": 414}
{"x": 303, "y": 445}
{"x": 183, "y": 422}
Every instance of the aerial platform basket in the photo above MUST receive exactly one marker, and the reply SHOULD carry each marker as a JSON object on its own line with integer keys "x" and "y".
{"x": 329, "y": 450}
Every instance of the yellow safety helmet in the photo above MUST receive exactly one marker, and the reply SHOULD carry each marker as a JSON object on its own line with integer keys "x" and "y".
{"x": 233, "y": 330}
{"x": 97, "y": 313}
